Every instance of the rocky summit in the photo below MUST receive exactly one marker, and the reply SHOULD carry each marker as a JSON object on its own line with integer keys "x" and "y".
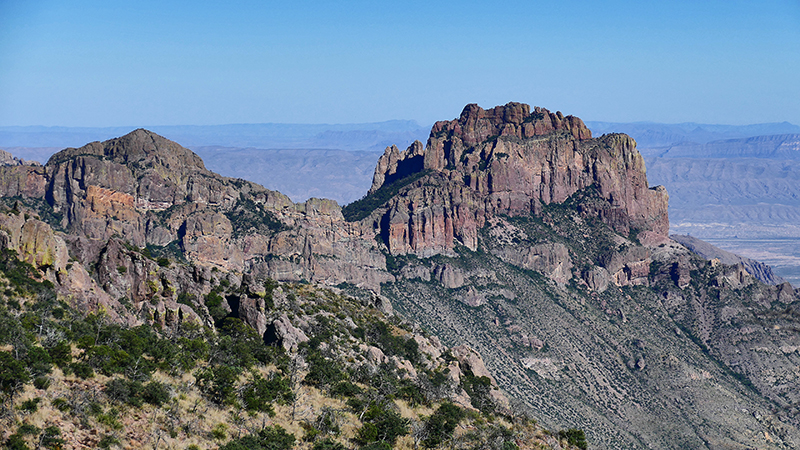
{"x": 540, "y": 253}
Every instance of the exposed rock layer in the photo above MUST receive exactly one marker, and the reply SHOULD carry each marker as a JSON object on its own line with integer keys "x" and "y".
{"x": 509, "y": 160}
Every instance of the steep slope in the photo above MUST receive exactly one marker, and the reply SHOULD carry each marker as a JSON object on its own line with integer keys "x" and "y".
{"x": 339, "y": 373}
{"x": 546, "y": 250}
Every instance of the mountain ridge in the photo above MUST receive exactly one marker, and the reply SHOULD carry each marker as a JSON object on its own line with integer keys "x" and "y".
{"x": 552, "y": 262}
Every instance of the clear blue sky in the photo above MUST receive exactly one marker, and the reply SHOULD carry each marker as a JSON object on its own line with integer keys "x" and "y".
{"x": 119, "y": 63}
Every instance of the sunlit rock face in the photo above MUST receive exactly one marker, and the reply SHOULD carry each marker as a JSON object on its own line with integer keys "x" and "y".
{"x": 508, "y": 160}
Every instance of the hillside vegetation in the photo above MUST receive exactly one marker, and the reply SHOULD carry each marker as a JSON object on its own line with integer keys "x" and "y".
{"x": 71, "y": 380}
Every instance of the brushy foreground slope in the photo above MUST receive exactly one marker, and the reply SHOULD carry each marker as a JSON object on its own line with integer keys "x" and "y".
{"x": 362, "y": 380}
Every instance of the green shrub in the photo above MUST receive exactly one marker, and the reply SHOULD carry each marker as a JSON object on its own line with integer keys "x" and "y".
{"x": 51, "y": 438}
{"x": 239, "y": 345}
{"x": 39, "y": 361}
{"x": 41, "y": 383}
{"x": 269, "y": 438}
{"x": 442, "y": 423}
{"x": 345, "y": 389}
{"x": 107, "y": 441}
{"x": 479, "y": 391}
{"x": 156, "y": 393}
{"x": 82, "y": 370}
{"x": 574, "y": 437}
{"x": 218, "y": 384}
{"x": 260, "y": 393}
{"x": 30, "y": 405}
{"x": 12, "y": 374}
{"x": 61, "y": 354}
{"x": 219, "y": 432}
{"x": 328, "y": 444}
{"x": 380, "y": 445}
{"x": 60, "y": 404}
{"x": 125, "y": 391}
{"x": 381, "y": 424}
{"x": 213, "y": 302}
{"x": 322, "y": 371}
{"x": 362, "y": 208}
{"x": 16, "y": 442}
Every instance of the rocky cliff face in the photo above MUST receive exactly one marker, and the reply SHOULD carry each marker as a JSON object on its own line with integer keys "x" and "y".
{"x": 508, "y": 160}
{"x": 147, "y": 191}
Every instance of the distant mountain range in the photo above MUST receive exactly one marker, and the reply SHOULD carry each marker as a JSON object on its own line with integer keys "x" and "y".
{"x": 649, "y": 134}
{"x": 355, "y": 136}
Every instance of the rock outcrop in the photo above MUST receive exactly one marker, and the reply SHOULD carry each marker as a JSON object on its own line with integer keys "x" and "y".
{"x": 507, "y": 160}
{"x": 755, "y": 268}
{"x": 150, "y": 191}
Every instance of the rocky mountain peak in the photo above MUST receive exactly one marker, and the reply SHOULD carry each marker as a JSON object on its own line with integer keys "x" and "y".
{"x": 476, "y": 125}
{"x": 137, "y": 147}
{"x": 506, "y": 160}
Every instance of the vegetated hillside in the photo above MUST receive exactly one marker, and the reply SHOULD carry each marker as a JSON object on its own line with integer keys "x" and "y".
{"x": 513, "y": 230}
{"x": 349, "y": 376}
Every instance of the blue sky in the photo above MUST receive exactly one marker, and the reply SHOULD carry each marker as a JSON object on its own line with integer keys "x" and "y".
{"x": 118, "y": 63}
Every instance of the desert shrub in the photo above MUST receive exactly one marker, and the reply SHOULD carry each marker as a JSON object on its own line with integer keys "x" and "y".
{"x": 328, "y": 444}
{"x": 41, "y": 382}
{"x": 12, "y": 374}
{"x": 61, "y": 354}
{"x": 574, "y": 437}
{"x": 269, "y": 438}
{"x": 38, "y": 361}
{"x": 218, "y": 384}
{"x": 51, "y": 438}
{"x": 381, "y": 424}
{"x": 260, "y": 393}
{"x": 442, "y": 423}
